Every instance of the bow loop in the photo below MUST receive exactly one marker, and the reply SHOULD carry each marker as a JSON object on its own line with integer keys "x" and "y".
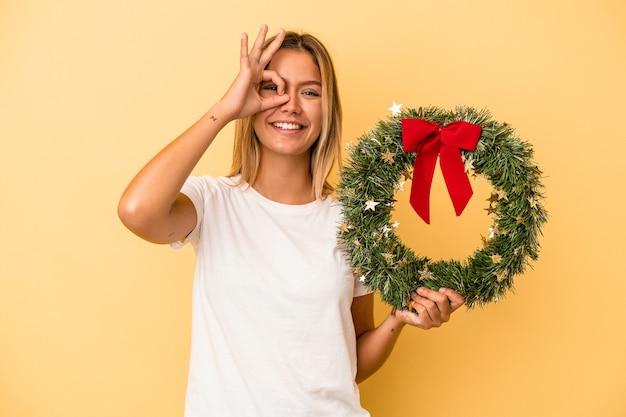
{"x": 429, "y": 141}
{"x": 415, "y": 132}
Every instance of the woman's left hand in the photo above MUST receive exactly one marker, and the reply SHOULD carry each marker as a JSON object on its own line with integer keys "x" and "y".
{"x": 430, "y": 308}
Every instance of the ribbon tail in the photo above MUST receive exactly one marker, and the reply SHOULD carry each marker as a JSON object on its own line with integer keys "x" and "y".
{"x": 457, "y": 182}
{"x": 423, "y": 171}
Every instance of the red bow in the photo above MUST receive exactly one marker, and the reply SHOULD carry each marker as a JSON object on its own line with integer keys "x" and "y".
{"x": 429, "y": 140}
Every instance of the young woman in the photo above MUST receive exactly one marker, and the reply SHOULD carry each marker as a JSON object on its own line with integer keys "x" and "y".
{"x": 280, "y": 326}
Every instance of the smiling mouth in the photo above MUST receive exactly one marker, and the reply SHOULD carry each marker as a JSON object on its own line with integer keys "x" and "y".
{"x": 287, "y": 126}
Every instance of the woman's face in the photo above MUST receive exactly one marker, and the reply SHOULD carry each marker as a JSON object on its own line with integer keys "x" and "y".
{"x": 292, "y": 128}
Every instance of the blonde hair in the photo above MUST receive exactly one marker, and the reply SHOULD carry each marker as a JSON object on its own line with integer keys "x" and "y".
{"x": 326, "y": 151}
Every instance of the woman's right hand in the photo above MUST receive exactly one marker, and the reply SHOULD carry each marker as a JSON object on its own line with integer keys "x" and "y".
{"x": 242, "y": 98}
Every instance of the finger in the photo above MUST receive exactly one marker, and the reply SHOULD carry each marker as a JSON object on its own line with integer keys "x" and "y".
{"x": 273, "y": 101}
{"x": 255, "y": 53}
{"x": 440, "y": 300}
{"x": 243, "y": 51}
{"x": 427, "y": 310}
{"x": 414, "y": 319}
{"x": 456, "y": 299}
{"x": 272, "y": 47}
{"x": 269, "y": 75}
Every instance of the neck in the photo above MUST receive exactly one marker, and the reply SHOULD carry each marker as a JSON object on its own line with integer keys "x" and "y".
{"x": 287, "y": 180}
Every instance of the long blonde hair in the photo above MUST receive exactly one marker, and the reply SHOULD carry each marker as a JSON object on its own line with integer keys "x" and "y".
{"x": 326, "y": 151}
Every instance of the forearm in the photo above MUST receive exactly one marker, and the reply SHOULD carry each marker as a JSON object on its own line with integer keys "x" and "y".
{"x": 429, "y": 309}
{"x": 152, "y": 193}
{"x": 375, "y": 346}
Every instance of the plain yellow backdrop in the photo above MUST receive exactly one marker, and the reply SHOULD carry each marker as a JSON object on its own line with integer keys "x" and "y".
{"x": 95, "y": 322}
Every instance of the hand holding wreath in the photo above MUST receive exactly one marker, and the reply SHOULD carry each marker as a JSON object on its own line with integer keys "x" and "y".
{"x": 429, "y": 308}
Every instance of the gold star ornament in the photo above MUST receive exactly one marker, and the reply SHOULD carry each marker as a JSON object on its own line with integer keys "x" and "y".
{"x": 387, "y": 157}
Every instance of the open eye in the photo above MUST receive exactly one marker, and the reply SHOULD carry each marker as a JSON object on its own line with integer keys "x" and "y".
{"x": 270, "y": 87}
{"x": 311, "y": 93}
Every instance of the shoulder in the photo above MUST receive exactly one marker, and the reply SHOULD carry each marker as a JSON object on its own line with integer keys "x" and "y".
{"x": 206, "y": 185}
{"x": 333, "y": 205}
{"x": 207, "y": 192}
{"x": 210, "y": 181}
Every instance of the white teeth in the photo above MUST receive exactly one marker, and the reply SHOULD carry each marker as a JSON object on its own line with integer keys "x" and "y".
{"x": 287, "y": 126}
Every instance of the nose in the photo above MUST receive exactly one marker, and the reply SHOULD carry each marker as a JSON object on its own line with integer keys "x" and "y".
{"x": 293, "y": 105}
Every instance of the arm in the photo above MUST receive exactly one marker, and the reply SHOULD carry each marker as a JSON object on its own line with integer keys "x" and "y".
{"x": 375, "y": 344}
{"x": 152, "y": 206}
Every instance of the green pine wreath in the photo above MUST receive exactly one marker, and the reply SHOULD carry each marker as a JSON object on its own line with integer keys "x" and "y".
{"x": 376, "y": 169}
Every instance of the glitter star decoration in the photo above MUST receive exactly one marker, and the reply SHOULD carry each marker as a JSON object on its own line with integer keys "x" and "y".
{"x": 395, "y": 109}
{"x": 502, "y": 195}
{"x": 371, "y": 205}
{"x": 496, "y": 258}
{"x": 425, "y": 274}
{"x": 491, "y": 210}
{"x": 501, "y": 275}
{"x": 388, "y": 257}
{"x": 387, "y": 156}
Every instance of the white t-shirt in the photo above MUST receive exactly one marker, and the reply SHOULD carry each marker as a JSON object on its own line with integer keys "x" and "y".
{"x": 272, "y": 331}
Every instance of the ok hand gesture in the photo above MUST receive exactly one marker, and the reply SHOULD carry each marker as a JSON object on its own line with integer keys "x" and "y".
{"x": 242, "y": 98}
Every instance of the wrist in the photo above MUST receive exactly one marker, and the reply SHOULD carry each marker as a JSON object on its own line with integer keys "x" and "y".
{"x": 220, "y": 114}
{"x": 395, "y": 320}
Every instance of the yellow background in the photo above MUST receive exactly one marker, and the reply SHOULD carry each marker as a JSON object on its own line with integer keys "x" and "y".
{"x": 95, "y": 322}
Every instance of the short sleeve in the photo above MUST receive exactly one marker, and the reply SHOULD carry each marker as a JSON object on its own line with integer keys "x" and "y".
{"x": 194, "y": 188}
{"x": 359, "y": 288}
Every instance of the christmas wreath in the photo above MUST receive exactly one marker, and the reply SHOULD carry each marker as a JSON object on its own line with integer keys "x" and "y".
{"x": 406, "y": 146}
